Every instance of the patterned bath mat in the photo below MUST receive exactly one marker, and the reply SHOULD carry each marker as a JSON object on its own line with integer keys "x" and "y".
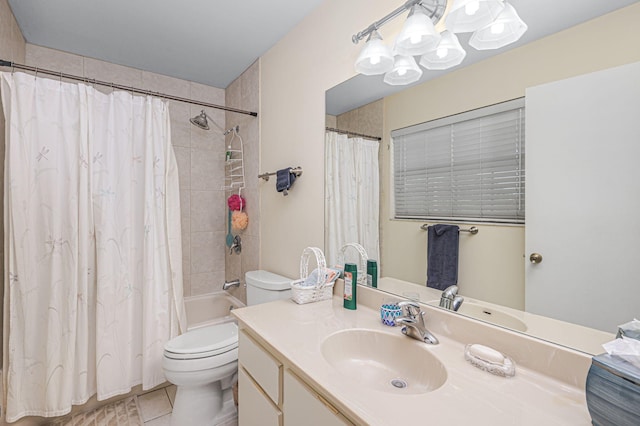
{"x": 119, "y": 413}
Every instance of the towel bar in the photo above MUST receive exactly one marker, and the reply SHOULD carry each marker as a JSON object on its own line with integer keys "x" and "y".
{"x": 473, "y": 230}
{"x": 295, "y": 170}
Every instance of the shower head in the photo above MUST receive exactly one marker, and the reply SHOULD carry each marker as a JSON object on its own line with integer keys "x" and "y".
{"x": 200, "y": 120}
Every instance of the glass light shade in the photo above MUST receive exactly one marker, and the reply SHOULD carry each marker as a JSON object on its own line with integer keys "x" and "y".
{"x": 506, "y": 29}
{"x": 405, "y": 71}
{"x": 375, "y": 57}
{"x": 469, "y": 15}
{"x": 418, "y": 34}
{"x": 447, "y": 54}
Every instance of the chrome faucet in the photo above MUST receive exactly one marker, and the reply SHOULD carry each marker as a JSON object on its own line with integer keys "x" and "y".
{"x": 413, "y": 323}
{"x": 450, "y": 299}
{"x": 236, "y": 246}
{"x": 228, "y": 284}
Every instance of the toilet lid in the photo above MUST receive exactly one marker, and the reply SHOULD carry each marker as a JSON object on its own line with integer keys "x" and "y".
{"x": 209, "y": 340}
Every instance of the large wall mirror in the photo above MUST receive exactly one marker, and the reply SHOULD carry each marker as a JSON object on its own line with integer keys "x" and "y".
{"x": 578, "y": 303}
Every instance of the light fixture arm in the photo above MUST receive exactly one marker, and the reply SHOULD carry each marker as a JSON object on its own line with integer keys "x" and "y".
{"x": 435, "y": 11}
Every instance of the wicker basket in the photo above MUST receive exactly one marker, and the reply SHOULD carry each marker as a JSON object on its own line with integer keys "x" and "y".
{"x": 362, "y": 260}
{"x": 311, "y": 293}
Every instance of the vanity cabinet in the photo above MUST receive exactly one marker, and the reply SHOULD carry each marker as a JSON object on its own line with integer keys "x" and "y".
{"x": 303, "y": 406}
{"x": 271, "y": 395}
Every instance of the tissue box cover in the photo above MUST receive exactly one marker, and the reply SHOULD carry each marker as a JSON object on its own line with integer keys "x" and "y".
{"x": 630, "y": 329}
{"x": 613, "y": 392}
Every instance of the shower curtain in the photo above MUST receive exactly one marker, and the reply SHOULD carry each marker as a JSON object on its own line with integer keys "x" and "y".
{"x": 352, "y": 194}
{"x": 93, "y": 279}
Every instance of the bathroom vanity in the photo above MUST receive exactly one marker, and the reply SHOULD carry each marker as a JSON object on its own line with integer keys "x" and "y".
{"x": 320, "y": 364}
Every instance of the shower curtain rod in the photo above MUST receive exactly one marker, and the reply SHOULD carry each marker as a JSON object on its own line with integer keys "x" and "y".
{"x": 346, "y": 132}
{"x": 62, "y": 75}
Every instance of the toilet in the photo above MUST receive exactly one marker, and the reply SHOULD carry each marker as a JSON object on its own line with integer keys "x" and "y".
{"x": 203, "y": 362}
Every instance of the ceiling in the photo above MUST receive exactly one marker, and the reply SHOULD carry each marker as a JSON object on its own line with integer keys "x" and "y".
{"x": 214, "y": 41}
{"x": 208, "y": 41}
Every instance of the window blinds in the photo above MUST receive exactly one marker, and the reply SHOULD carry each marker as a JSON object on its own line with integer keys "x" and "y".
{"x": 468, "y": 166}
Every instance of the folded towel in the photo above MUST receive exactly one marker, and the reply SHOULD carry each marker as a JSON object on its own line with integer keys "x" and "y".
{"x": 442, "y": 256}
{"x": 284, "y": 180}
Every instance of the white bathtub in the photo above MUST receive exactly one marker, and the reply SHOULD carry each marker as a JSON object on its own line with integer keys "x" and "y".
{"x": 212, "y": 308}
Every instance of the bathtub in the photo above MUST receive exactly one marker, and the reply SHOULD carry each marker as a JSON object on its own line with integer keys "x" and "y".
{"x": 208, "y": 309}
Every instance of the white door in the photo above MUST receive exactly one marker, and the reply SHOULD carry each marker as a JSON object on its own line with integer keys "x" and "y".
{"x": 583, "y": 198}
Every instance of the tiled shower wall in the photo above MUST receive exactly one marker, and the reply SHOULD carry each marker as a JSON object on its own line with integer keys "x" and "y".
{"x": 243, "y": 93}
{"x": 199, "y": 153}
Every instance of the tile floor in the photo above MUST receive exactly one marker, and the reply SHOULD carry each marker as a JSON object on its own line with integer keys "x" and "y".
{"x": 156, "y": 406}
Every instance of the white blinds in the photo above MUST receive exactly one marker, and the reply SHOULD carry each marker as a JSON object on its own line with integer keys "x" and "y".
{"x": 465, "y": 167}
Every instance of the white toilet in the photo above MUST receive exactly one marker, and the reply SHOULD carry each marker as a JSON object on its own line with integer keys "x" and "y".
{"x": 203, "y": 362}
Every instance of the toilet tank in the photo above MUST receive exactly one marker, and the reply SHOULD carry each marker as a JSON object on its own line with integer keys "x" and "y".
{"x": 265, "y": 286}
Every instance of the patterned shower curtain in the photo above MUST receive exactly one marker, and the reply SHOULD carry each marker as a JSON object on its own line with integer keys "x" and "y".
{"x": 93, "y": 279}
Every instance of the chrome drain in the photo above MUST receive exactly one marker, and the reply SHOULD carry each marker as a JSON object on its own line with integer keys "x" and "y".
{"x": 399, "y": 383}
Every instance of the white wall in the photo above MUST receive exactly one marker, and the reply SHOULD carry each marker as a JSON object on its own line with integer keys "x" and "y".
{"x": 295, "y": 73}
{"x": 318, "y": 54}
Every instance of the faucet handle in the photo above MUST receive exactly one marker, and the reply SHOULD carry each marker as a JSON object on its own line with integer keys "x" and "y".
{"x": 413, "y": 309}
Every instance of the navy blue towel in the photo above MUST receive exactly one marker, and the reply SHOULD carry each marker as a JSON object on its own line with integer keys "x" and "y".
{"x": 442, "y": 256}
{"x": 284, "y": 180}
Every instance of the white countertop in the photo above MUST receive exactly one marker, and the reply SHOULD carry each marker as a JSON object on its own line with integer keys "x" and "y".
{"x": 469, "y": 396}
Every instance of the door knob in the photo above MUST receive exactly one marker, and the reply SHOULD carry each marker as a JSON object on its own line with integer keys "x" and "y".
{"x": 535, "y": 258}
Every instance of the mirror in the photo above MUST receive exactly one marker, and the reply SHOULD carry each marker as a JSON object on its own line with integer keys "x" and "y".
{"x": 492, "y": 274}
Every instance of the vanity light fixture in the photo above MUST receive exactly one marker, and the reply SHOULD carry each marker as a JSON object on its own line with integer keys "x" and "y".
{"x": 494, "y": 24}
{"x": 376, "y": 57}
{"x": 466, "y": 16}
{"x": 405, "y": 71}
{"x": 447, "y": 54}
{"x": 418, "y": 35}
{"x": 504, "y": 30}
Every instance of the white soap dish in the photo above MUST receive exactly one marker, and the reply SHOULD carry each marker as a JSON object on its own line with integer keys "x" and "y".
{"x": 488, "y": 359}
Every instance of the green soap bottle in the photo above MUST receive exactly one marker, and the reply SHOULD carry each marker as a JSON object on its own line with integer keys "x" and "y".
{"x": 372, "y": 273}
{"x": 350, "y": 281}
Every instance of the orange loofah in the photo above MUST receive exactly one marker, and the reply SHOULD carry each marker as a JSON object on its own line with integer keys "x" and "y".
{"x": 239, "y": 220}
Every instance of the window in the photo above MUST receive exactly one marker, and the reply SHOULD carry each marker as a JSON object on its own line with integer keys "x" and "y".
{"x": 466, "y": 167}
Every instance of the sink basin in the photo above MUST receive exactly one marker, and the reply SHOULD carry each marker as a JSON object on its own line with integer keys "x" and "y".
{"x": 384, "y": 362}
{"x": 493, "y": 316}
{"x": 490, "y": 315}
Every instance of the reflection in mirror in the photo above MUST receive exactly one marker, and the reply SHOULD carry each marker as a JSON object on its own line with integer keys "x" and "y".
{"x": 493, "y": 269}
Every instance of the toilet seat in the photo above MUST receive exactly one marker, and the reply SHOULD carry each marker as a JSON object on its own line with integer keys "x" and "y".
{"x": 203, "y": 342}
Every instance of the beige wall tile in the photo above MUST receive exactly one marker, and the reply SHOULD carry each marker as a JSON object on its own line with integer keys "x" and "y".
{"x": 166, "y": 85}
{"x": 250, "y": 254}
{"x": 112, "y": 73}
{"x": 207, "y": 172}
{"x": 253, "y": 211}
{"x": 234, "y": 94}
{"x": 180, "y": 113}
{"x": 207, "y": 252}
{"x": 205, "y": 208}
{"x": 209, "y": 94}
{"x": 54, "y": 60}
{"x": 250, "y": 88}
{"x": 183, "y": 159}
{"x": 7, "y": 37}
{"x": 207, "y": 282}
{"x": 331, "y": 121}
{"x": 251, "y": 134}
{"x": 12, "y": 44}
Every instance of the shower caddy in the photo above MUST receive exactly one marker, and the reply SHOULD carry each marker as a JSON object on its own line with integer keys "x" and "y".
{"x": 234, "y": 162}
